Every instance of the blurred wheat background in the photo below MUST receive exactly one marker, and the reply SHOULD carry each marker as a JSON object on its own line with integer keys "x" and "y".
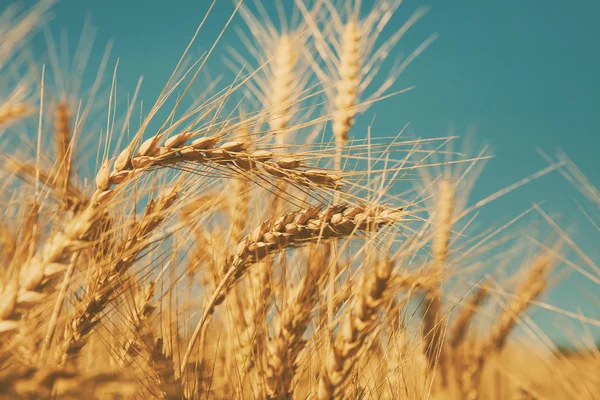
{"x": 255, "y": 217}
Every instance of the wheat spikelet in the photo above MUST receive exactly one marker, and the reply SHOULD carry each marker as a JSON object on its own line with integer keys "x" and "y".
{"x": 232, "y": 155}
{"x": 280, "y": 83}
{"x": 351, "y": 60}
{"x": 311, "y": 224}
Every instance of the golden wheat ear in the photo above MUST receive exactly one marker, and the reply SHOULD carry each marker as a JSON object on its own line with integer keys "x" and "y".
{"x": 357, "y": 323}
{"x": 284, "y": 348}
{"x": 533, "y": 285}
{"x": 349, "y": 61}
{"x": 293, "y": 230}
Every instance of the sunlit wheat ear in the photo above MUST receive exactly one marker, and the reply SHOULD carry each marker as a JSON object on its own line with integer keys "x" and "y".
{"x": 533, "y": 285}
{"x": 294, "y": 317}
{"x": 347, "y": 87}
{"x": 64, "y": 152}
{"x": 51, "y": 381}
{"x": 351, "y": 56}
{"x": 281, "y": 95}
{"x": 468, "y": 311}
{"x": 232, "y": 157}
{"x": 443, "y": 221}
{"x": 433, "y": 321}
{"x": 294, "y": 229}
{"x": 16, "y": 106}
{"x": 357, "y": 323}
{"x": 145, "y": 344}
{"x": 14, "y": 112}
{"x": 279, "y": 54}
{"x": 99, "y": 294}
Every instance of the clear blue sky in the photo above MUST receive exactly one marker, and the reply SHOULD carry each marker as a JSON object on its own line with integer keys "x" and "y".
{"x": 524, "y": 74}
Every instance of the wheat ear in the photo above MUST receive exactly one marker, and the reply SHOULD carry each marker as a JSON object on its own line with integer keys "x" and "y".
{"x": 144, "y": 342}
{"x": 433, "y": 323}
{"x": 231, "y": 154}
{"x": 347, "y": 86}
{"x": 91, "y": 306}
{"x": 357, "y": 323}
{"x": 461, "y": 324}
{"x": 14, "y": 112}
{"x": 292, "y": 230}
{"x": 281, "y": 95}
{"x": 31, "y": 383}
{"x": 64, "y": 151}
{"x": 285, "y": 347}
{"x": 528, "y": 291}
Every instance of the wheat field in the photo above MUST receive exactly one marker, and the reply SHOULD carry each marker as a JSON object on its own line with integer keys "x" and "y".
{"x": 249, "y": 243}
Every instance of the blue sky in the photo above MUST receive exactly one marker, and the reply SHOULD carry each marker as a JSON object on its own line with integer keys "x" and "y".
{"x": 521, "y": 74}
